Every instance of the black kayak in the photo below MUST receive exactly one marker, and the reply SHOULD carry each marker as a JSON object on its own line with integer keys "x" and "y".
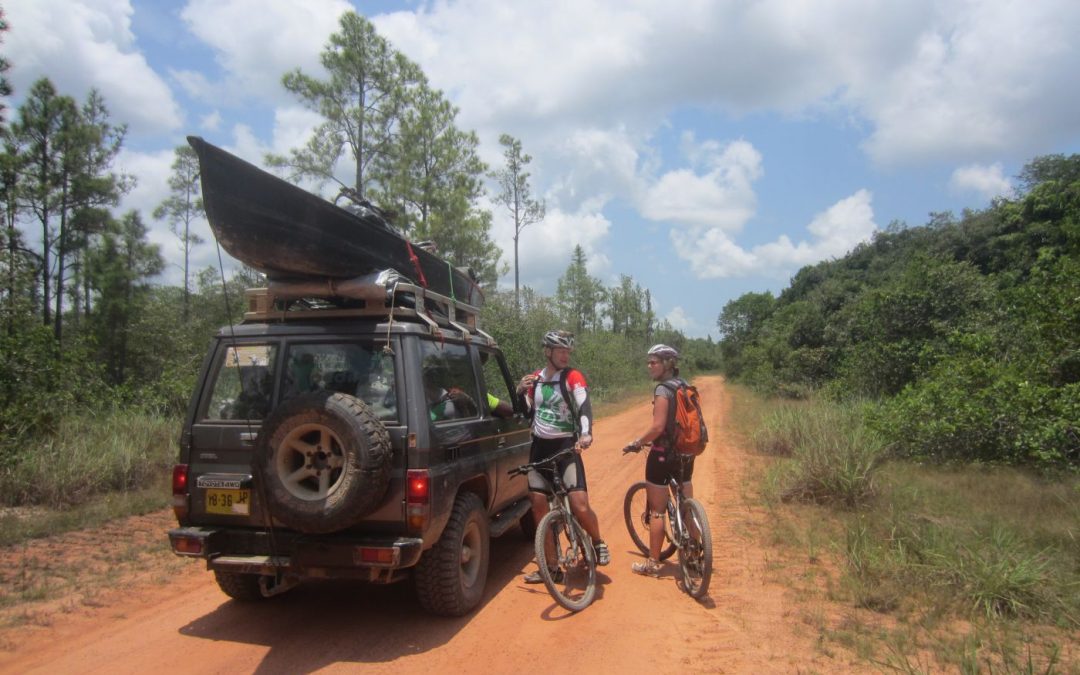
{"x": 288, "y": 233}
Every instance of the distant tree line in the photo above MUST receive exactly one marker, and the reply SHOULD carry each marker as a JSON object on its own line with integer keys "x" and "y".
{"x": 86, "y": 332}
{"x": 964, "y": 332}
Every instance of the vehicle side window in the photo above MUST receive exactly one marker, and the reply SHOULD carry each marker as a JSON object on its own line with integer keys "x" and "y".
{"x": 243, "y": 383}
{"x": 357, "y": 369}
{"x": 498, "y": 380}
{"x": 450, "y": 386}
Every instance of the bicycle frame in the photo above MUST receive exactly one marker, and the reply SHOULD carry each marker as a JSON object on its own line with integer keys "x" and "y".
{"x": 557, "y": 524}
{"x": 686, "y": 528}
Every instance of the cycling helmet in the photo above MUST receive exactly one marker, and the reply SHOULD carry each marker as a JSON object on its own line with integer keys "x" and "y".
{"x": 559, "y": 338}
{"x": 663, "y": 351}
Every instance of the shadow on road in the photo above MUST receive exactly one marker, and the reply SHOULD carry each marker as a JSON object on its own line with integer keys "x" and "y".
{"x": 324, "y": 622}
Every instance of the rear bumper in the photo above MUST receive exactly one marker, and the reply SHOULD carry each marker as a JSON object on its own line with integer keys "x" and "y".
{"x": 338, "y": 556}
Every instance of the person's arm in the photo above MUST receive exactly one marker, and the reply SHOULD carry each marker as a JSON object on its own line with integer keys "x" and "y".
{"x": 659, "y": 422}
{"x": 498, "y": 407}
{"x": 583, "y": 404}
{"x": 524, "y": 386}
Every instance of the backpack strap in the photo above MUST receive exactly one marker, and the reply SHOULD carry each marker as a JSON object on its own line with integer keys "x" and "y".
{"x": 571, "y": 402}
{"x": 673, "y": 385}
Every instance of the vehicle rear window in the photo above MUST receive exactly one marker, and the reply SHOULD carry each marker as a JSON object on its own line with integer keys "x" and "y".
{"x": 243, "y": 383}
{"x": 354, "y": 368}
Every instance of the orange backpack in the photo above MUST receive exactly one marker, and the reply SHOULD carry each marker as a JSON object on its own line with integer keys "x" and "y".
{"x": 686, "y": 425}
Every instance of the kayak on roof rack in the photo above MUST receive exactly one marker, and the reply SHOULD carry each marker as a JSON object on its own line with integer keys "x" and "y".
{"x": 289, "y": 233}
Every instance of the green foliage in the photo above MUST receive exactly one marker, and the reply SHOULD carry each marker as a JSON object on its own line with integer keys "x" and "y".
{"x": 975, "y": 407}
{"x": 39, "y": 387}
{"x": 88, "y": 454}
{"x": 833, "y": 456}
{"x": 965, "y": 330}
{"x": 515, "y": 195}
{"x": 579, "y": 295}
{"x": 986, "y": 544}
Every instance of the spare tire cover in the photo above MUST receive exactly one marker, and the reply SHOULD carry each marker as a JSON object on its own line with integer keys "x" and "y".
{"x": 324, "y": 460}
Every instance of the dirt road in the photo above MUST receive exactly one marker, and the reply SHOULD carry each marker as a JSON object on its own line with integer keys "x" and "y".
{"x": 749, "y": 624}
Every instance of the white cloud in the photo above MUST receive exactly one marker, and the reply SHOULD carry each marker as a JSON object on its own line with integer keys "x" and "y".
{"x": 84, "y": 45}
{"x": 257, "y": 41}
{"x": 211, "y": 121}
{"x": 153, "y": 170}
{"x": 680, "y": 321}
{"x": 986, "y": 180}
{"x": 723, "y": 197}
{"x": 713, "y": 254}
{"x": 929, "y": 79}
{"x": 545, "y": 247}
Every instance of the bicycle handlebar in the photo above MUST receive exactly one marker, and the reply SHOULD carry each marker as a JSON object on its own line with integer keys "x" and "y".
{"x": 636, "y": 448}
{"x": 526, "y": 468}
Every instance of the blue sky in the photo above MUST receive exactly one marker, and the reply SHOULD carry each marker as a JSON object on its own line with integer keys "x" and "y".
{"x": 707, "y": 148}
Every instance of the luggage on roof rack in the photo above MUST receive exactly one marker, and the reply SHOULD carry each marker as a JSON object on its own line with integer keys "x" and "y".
{"x": 384, "y": 295}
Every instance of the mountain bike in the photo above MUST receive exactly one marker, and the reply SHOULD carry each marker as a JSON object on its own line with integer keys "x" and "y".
{"x": 569, "y": 575}
{"x": 686, "y": 530}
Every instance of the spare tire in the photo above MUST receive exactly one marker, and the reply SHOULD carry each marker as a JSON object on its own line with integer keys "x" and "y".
{"x": 324, "y": 461}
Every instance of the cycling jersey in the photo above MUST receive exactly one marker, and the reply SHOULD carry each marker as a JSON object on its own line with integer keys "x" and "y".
{"x": 553, "y": 416}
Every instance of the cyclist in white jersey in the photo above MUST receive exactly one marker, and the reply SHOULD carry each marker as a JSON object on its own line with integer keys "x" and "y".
{"x": 557, "y": 397}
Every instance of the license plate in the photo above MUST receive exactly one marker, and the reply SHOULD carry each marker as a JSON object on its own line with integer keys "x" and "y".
{"x": 228, "y": 502}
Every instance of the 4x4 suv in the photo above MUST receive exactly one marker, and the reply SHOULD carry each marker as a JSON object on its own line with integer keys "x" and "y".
{"x": 351, "y": 441}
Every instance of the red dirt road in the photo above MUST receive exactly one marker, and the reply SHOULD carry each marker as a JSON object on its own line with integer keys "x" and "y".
{"x": 749, "y": 624}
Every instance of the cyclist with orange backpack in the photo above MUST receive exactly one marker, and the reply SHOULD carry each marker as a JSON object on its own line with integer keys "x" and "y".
{"x": 557, "y": 398}
{"x": 664, "y": 460}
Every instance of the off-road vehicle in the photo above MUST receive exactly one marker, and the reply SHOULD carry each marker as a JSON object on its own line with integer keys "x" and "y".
{"x": 353, "y": 437}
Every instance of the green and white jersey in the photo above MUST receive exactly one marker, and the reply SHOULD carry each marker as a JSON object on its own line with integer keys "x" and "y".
{"x": 552, "y": 415}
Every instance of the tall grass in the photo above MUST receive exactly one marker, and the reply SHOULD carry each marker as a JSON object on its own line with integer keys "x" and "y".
{"x": 993, "y": 549}
{"x": 89, "y": 455}
{"x": 833, "y": 456}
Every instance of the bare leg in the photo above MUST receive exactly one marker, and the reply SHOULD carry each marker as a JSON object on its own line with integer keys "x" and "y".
{"x": 658, "y": 498}
{"x": 540, "y": 509}
{"x": 579, "y": 502}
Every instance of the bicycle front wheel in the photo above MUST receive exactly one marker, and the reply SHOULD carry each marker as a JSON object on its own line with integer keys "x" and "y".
{"x": 636, "y": 514}
{"x": 695, "y": 556}
{"x": 570, "y": 575}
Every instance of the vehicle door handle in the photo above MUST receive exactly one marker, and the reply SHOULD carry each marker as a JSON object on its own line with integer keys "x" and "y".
{"x": 248, "y": 437}
{"x": 502, "y": 442}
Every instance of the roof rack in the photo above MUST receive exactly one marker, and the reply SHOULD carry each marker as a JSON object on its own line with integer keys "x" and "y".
{"x": 362, "y": 297}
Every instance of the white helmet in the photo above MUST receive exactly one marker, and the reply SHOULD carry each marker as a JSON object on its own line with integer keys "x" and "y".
{"x": 663, "y": 351}
{"x": 559, "y": 338}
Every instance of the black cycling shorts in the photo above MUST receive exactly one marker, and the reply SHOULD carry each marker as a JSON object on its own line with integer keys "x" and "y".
{"x": 667, "y": 462}
{"x": 571, "y": 468}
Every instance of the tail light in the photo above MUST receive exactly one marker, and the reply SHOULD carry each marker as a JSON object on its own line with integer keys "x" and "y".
{"x": 417, "y": 498}
{"x": 180, "y": 491}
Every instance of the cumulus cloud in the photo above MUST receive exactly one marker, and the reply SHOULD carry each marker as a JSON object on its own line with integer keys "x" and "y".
{"x": 84, "y": 45}
{"x": 545, "y": 247}
{"x": 713, "y": 254}
{"x": 927, "y": 79}
{"x": 681, "y": 321}
{"x": 257, "y": 41}
{"x": 986, "y": 180}
{"x": 721, "y": 197}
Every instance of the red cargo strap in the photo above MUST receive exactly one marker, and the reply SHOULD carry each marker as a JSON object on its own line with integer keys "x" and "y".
{"x": 416, "y": 264}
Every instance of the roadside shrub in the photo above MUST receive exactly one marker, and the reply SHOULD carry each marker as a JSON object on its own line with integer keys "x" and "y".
{"x": 88, "y": 455}
{"x": 974, "y": 407}
{"x": 834, "y": 456}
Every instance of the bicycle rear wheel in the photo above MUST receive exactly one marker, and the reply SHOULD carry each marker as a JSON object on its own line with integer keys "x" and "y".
{"x": 695, "y": 557}
{"x": 636, "y": 514}
{"x": 570, "y": 576}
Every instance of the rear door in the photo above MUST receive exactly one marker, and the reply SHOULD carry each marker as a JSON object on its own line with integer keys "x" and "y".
{"x": 236, "y": 396}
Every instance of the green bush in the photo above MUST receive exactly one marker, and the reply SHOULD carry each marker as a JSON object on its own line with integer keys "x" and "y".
{"x": 833, "y": 456}
{"x": 976, "y": 407}
{"x": 89, "y": 455}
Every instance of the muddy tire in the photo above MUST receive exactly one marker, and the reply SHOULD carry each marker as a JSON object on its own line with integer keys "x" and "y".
{"x": 324, "y": 461}
{"x": 451, "y": 576}
{"x": 243, "y": 587}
